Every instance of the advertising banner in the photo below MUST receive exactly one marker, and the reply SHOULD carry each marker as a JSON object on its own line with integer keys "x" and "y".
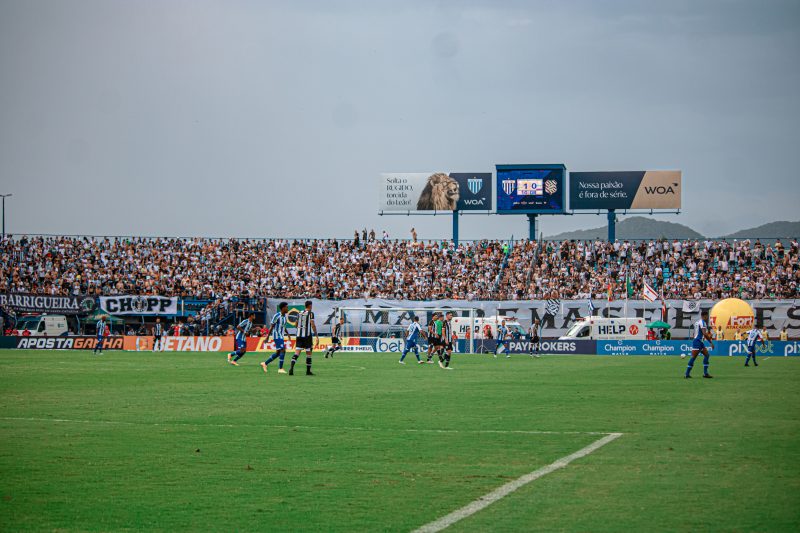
{"x": 684, "y": 347}
{"x": 642, "y": 189}
{"x": 772, "y": 314}
{"x": 180, "y": 344}
{"x": 553, "y": 347}
{"x": 67, "y": 343}
{"x": 531, "y": 189}
{"x": 42, "y": 303}
{"x": 435, "y": 191}
{"x": 139, "y": 305}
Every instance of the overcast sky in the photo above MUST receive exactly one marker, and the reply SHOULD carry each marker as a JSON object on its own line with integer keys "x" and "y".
{"x": 263, "y": 118}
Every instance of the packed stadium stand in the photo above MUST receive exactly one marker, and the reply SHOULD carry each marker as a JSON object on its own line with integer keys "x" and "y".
{"x": 410, "y": 270}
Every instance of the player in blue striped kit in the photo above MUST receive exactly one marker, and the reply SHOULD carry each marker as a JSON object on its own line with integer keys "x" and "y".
{"x": 503, "y": 339}
{"x": 700, "y": 333}
{"x": 240, "y": 341}
{"x": 101, "y": 333}
{"x": 277, "y": 328}
{"x": 413, "y": 334}
{"x": 753, "y": 336}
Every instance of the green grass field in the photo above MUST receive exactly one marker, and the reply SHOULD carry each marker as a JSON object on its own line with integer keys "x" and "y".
{"x": 185, "y": 442}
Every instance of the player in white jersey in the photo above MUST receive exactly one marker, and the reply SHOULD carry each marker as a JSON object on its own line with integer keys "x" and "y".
{"x": 753, "y": 336}
{"x": 534, "y": 338}
{"x": 700, "y": 333}
{"x": 305, "y": 328}
{"x": 336, "y": 339}
{"x": 503, "y": 340}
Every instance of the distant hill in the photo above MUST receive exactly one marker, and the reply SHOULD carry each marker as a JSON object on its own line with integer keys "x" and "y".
{"x": 770, "y": 231}
{"x": 633, "y": 228}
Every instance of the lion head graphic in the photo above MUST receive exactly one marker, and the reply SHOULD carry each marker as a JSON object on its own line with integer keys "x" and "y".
{"x": 440, "y": 194}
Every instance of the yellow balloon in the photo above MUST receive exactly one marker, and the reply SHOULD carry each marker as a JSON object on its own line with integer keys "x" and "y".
{"x": 732, "y": 315}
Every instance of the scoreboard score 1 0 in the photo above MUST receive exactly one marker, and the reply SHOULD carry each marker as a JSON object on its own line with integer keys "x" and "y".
{"x": 534, "y": 189}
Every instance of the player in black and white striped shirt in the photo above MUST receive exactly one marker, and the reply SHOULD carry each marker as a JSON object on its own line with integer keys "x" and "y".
{"x": 336, "y": 339}
{"x": 447, "y": 340}
{"x": 303, "y": 341}
{"x": 158, "y": 331}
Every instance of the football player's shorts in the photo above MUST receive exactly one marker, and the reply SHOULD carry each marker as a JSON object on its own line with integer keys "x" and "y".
{"x": 697, "y": 344}
{"x": 280, "y": 344}
{"x": 241, "y": 344}
{"x": 304, "y": 343}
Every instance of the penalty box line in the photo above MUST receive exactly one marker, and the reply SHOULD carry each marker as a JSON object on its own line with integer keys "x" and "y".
{"x": 287, "y": 426}
{"x": 501, "y": 492}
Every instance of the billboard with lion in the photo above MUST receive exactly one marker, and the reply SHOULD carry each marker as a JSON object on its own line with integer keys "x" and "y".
{"x": 435, "y": 191}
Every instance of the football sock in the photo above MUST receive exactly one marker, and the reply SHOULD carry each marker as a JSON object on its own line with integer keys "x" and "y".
{"x": 308, "y": 364}
{"x": 280, "y": 361}
{"x": 239, "y": 355}
{"x": 271, "y": 358}
{"x": 689, "y": 366}
{"x": 294, "y": 360}
{"x": 705, "y": 364}
{"x": 403, "y": 355}
{"x": 446, "y": 361}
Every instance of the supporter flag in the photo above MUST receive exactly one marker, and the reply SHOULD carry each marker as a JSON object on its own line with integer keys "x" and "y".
{"x": 591, "y": 306}
{"x": 663, "y": 307}
{"x": 691, "y": 306}
{"x": 552, "y": 307}
{"x": 628, "y": 286}
{"x": 610, "y": 292}
{"x": 649, "y": 293}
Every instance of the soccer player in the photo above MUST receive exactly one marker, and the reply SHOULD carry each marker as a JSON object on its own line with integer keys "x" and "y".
{"x": 412, "y": 334}
{"x": 447, "y": 341}
{"x": 158, "y": 331}
{"x": 277, "y": 328}
{"x": 101, "y": 334}
{"x": 535, "y": 340}
{"x": 700, "y": 332}
{"x": 502, "y": 339}
{"x": 240, "y": 341}
{"x": 438, "y": 347}
{"x": 336, "y": 342}
{"x": 305, "y": 327}
{"x": 753, "y": 336}
{"x": 432, "y": 342}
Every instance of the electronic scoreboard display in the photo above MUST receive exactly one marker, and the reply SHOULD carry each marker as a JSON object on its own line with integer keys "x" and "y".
{"x": 536, "y": 189}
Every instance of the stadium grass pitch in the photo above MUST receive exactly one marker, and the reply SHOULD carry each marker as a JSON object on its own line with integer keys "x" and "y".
{"x": 186, "y": 442}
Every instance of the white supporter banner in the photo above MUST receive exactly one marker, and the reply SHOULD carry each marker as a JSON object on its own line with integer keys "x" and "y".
{"x": 139, "y": 305}
{"x": 649, "y": 293}
{"x": 774, "y": 314}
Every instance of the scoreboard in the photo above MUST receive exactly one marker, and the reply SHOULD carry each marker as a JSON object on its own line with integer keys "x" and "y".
{"x": 533, "y": 189}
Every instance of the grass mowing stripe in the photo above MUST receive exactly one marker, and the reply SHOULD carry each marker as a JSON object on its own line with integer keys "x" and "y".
{"x": 320, "y": 428}
{"x": 504, "y": 490}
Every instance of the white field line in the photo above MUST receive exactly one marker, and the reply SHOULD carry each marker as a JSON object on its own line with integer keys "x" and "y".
{"x": 286, "y": 426}
{"x": 504, "y": 490}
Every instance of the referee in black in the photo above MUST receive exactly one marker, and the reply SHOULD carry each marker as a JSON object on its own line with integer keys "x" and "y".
{"x": 304, "y": 341}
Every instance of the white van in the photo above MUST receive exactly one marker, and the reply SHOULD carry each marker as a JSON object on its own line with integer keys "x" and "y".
{"x": 602, "y": 328}
{"x": 43, "y": 325}
{"x": 461, "y": 326}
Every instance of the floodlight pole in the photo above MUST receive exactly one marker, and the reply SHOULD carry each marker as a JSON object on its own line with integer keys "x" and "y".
{"x": 455, "y": 228}
{"x": 612, "y": 225}
{"x": 4, "y": 196}
{"x": 532, "y": 226}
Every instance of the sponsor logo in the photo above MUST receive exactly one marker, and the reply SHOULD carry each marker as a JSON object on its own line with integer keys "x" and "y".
{"x": 475, "y": 185}
{"x": 661, "y": 189}
{"x": 475, "y": 201}
{"x": 67, "y": 343}
{"x": 791, "y": 348}
{"x": 138, "y": 304}
{"x": 550, "y": 186}
{"x": 508, "y": 187}
{"x": 740, "y": 322}
{"x": 612, "y": 329}
{"x": 357, "y": 349}
{"x": 191, "y": 344}
{"x": 634, "y": 329}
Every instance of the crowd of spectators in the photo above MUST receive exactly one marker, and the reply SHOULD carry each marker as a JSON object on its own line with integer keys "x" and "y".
{"x": 227, "y": 271}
